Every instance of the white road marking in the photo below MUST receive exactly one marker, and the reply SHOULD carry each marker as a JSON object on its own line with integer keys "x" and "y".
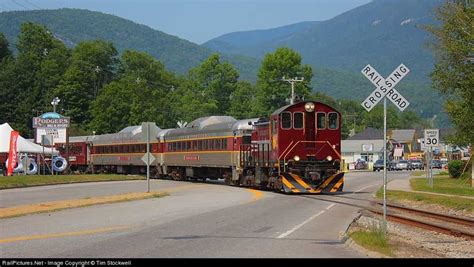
{"x": 366, "y": 188}
{"x": 330, "y": 206}
{"x": 300, "y": 225}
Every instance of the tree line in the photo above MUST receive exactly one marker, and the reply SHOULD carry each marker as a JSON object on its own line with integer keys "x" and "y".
{"x": 103, "y": 91}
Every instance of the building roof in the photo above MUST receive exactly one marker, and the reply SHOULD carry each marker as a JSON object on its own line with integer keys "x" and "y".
{"x": 368, "y": 134}
{"x": 403, "y": 136}
{"x": 356, "y": 146}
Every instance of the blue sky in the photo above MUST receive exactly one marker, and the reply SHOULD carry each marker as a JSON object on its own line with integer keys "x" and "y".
{"x": 201, "y": 20}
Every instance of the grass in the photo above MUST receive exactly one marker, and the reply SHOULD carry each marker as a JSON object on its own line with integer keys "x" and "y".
{"x": 373, "y": 239}
{"x": 33, "y": 180}
{"x": 453, "y": 202}
{"x": 445, "y": 185}
{"x": 418, "y": 173}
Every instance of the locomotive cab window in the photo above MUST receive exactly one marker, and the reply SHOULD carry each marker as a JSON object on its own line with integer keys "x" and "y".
{"x": 333, "y": 120}
{"x": 321, "y": 120}
{"x": 285, "y": 118}
{"x": 298, "y": 120}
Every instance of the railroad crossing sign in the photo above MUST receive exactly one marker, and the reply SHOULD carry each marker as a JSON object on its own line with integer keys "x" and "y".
{"x": 431, "y": 137}
{"x": 385, "y": 87}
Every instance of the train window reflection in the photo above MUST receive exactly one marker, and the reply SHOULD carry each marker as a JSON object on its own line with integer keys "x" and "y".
{"x": 285, "y": 120}
{"x": 298, "y": 120}
{"x": 333, "y": 120}
{"x": 321, "y": 120}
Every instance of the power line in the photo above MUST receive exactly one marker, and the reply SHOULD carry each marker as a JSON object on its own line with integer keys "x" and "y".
{"x": 31, "y": 4}
{"x": 19, "y": 4}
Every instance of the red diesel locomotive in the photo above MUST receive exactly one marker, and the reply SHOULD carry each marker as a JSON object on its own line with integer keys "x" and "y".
{"x": 296, "y": 150}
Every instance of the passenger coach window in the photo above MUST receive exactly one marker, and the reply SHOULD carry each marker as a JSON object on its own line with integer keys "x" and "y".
{"x": 285, "y": 120}
{"x": 298, "y": 120}
{"x": 333, "y": 120}
{"x": 321, "y": 120}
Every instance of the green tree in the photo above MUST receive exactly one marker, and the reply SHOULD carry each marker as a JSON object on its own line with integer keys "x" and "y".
{"x": 454, "y": 69}
{"x": 4, "y": 49}
{"x": 141, "y": 93}
{"x": 190, "y": 104}
{"x": 217, "y": 80}
{"x": 93, "y": 64}
{"x": 272, "y": 92}
{"x": 374, "y": 118}
{"x": 40, "y": 64}
{"x": 242, "y": 101}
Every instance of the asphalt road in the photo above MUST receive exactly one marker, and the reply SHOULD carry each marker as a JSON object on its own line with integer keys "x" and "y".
{"x": 195, "y": 220}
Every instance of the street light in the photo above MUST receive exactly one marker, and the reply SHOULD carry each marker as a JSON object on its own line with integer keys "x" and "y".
{"x": 55, "y": 102}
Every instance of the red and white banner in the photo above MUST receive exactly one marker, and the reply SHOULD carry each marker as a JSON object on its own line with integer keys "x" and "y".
{"x": 12, "y": 155}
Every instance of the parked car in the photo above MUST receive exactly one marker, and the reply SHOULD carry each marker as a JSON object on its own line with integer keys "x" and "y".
{"x": 360, "y": 165}
{"x": 402, "y": 165}
{"x": 436, "y": 164}
{"x": 416, "y": 164}
{"x": 378, "y": 165}
{"x": 392, "y": 165}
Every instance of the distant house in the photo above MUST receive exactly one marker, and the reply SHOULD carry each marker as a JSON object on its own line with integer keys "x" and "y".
{"x": 408, "y": 141}
{"x": 366, "y": 145}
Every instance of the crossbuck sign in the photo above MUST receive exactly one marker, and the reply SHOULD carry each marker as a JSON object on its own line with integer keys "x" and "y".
{"x": 385, "y": 87}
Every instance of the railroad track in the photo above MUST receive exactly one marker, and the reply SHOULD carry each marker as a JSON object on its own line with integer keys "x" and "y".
{"x": 443, "y": 223}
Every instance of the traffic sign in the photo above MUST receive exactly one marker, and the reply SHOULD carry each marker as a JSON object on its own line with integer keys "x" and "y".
{"x": 152, "y": 128}
{"x": 431, "y": 137}
{"x": 148, "y": 158}
{"x": 385, "y": 87}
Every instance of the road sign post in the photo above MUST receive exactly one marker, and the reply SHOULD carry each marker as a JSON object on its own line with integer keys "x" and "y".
{"x": 431, "y": 140}
{"x": 149, "y": 130}
{"x": 385, "y": 88}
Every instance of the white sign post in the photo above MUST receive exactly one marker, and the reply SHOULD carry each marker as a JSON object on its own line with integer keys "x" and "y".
{"x": 431, "y": 140}
{"x": 385, "y": 88}
{"x": 148, "y": 131}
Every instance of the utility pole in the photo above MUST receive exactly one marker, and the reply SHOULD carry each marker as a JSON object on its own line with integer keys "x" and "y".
{"x": 292, "y": 82}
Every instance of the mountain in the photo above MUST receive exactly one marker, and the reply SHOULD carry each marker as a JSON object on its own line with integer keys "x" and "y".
{"x": 234, "y": 42}
{"x": 383, "y": 33}
{"x": 75, "y": 25}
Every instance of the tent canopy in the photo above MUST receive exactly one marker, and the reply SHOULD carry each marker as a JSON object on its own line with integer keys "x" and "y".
{"x": 23, "y": 145}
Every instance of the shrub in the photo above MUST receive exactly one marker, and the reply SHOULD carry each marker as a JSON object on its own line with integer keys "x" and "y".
{"x": 455, "y": 168}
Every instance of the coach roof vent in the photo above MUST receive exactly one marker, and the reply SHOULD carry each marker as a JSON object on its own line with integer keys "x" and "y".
{"x": 206, "y": 122}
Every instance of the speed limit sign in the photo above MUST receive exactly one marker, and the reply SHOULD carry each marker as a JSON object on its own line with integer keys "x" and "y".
{"x": 431, "y": 137}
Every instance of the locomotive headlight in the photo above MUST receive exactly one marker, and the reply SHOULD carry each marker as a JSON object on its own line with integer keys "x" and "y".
{"x": 309, "y": 107}
{"x": 328, "y": 158}
{"x": 296, "y": 158}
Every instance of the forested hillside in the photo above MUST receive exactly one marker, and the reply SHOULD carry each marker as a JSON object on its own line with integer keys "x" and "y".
{"x": 75, "y": 25}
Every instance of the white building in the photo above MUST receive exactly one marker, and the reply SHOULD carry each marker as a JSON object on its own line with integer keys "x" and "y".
{"x": 366, "y": 146}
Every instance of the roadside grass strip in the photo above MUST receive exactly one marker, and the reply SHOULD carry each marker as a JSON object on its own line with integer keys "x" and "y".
{"x": 33, "y": 180}
{"x": 74, "y": 203}
{"x": 444, "y": 185}
{"x": 373, "y": 239}
{"x": 453, "y": 202}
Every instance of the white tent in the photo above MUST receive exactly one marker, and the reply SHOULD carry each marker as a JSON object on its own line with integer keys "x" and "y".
{"x": 23, "y": 145}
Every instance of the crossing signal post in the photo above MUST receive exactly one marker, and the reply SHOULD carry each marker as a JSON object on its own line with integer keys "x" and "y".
{"x": 385, "y": 88}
